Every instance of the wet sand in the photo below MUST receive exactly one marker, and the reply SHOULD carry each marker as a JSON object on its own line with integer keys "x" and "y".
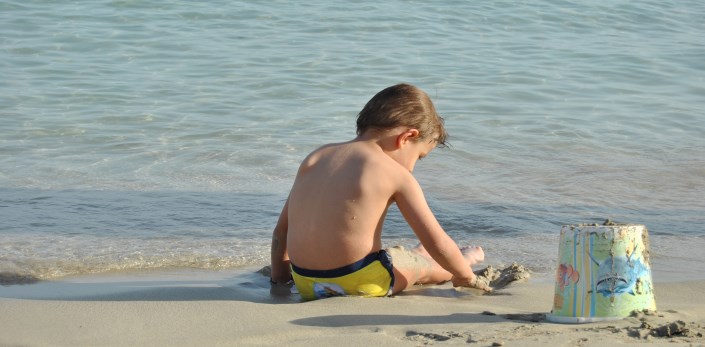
{"x": 185, "y": 308}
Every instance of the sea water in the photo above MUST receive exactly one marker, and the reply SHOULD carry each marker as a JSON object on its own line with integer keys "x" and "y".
{"x": 166, "y": 134}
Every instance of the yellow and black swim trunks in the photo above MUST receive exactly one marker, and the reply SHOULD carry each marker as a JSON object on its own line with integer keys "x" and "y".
{"x": 370, "y": 276}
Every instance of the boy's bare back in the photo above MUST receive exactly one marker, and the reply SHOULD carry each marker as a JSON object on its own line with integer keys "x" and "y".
{"x": 338, "y": 203}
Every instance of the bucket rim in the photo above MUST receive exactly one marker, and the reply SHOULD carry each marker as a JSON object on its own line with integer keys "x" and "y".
{"x": 578, "y": 320}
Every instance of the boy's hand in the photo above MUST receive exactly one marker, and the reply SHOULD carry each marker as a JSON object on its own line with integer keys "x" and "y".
{"x": 472, "y": 282}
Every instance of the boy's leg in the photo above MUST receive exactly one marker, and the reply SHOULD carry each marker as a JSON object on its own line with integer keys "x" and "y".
{"x": 415, "y": 266}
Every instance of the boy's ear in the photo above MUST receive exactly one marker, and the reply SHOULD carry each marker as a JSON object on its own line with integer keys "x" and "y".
{"x": 408, "y": 135}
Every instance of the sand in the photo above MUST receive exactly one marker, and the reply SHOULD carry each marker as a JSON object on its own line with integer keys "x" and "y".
{"x": 238, "y": 308}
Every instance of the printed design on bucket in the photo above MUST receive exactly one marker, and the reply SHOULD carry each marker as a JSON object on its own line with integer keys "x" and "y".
{"x": 618, "y": 275}
{"x": 566, "y": 275}
{"x": 603, "y": 272}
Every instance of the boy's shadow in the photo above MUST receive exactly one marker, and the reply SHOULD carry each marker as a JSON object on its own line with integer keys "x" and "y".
{"x": 342, "y": 320}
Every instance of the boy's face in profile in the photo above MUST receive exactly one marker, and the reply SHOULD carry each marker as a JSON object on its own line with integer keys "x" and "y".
{"x": 413, "y": 150}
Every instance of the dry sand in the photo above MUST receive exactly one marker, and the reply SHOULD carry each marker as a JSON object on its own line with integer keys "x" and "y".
{"x": 200, "y": 308}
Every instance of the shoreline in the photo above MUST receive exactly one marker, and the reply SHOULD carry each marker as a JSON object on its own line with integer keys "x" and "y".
{"x": 673, "y": 258}
{"x": 238, "y": 308}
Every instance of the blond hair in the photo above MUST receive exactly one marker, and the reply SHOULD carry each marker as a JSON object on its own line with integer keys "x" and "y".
{"x": 402, "y": 105}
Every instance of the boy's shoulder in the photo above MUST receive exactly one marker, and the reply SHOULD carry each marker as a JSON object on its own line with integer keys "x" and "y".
{"x": 327, "y": 149}
{"x": 352, "y": 152}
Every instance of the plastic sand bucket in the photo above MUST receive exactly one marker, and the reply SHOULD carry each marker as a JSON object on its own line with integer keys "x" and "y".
{"x": 604, "y": 273}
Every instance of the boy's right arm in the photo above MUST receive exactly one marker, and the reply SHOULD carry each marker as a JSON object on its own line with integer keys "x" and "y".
{"x": 413, "y": 206}
{"x": 281, "y": 272}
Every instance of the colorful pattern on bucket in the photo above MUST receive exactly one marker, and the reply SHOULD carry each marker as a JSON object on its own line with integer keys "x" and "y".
{"x": 603, "y": 271}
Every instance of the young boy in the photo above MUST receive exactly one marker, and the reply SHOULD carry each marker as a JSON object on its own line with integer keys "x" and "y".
{"x": 329, "y": 234}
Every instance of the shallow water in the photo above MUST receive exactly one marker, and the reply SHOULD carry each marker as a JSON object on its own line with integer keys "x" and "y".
{"x": 156, "y": 135}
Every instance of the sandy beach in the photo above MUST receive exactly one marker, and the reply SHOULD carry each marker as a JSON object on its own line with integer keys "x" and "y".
{"x": 238, "y": 308}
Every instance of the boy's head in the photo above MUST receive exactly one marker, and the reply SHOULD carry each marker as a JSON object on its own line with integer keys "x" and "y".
{"x": 403, "y": 105}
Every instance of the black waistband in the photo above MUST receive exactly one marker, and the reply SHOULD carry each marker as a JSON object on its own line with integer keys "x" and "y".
{"x": 341, "y": 271}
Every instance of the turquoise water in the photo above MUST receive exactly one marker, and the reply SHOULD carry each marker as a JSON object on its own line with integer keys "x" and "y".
{"x": 145, "y": 134}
